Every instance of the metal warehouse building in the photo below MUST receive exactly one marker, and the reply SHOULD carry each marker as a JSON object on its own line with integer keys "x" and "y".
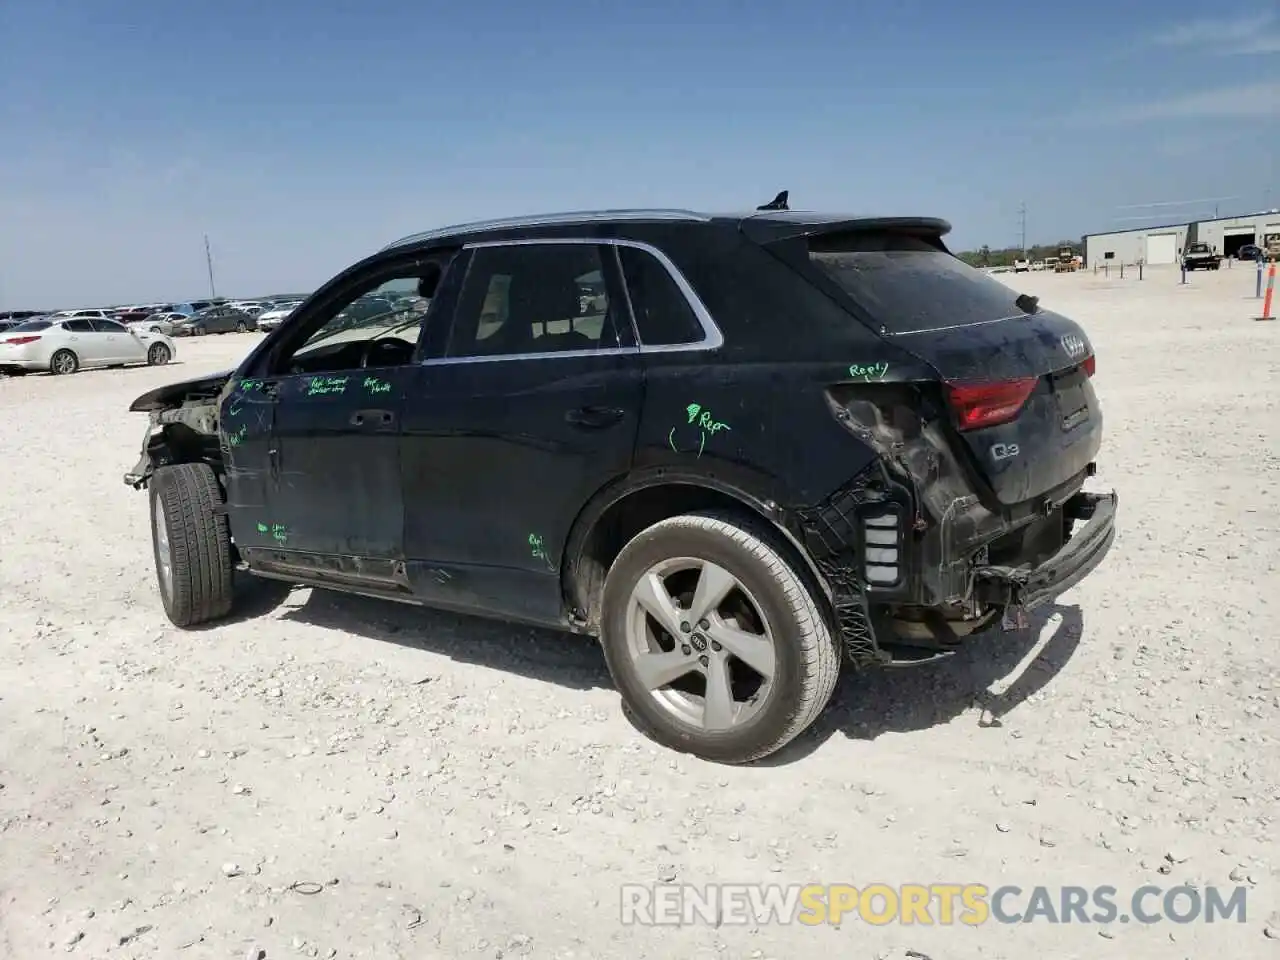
{"x": 1164, "y": 244}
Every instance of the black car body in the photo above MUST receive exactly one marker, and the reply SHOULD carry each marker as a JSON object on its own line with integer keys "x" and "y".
{"x": 887, "y": 445}
{"x": 1201, "y": 256}
{"x": 1250, "y": 251}
{"x": 215, "y": 319}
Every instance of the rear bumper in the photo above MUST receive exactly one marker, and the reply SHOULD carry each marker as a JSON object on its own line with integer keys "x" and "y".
{"x": 1029, "y": 587}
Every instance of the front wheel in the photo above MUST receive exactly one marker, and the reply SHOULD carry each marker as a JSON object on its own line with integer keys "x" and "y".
{"x": 158, "y": 355}
{"x": 714, "y": 641}
{"x": 192, "y": 544}
{"x": 240, "y": 327}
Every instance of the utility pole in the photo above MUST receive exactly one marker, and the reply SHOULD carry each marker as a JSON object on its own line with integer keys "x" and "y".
{"x": 1022, "y": 217}
{"x": 208, "y": 259}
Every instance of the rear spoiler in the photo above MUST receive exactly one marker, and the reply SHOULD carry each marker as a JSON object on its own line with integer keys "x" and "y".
{"x": 775, "y": 227}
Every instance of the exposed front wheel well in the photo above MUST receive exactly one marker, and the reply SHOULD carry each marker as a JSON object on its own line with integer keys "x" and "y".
{"x": 641, "y": 509}
{"x": 178, "y": 443}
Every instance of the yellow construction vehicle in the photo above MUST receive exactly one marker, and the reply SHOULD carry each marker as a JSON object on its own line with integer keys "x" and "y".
{"x": 1066, "y": 261}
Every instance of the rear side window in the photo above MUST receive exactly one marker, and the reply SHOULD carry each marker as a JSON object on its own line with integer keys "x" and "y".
{"x": 907, "y": 285}
{"x": 78, "y": 325}
{"x": 662, "y": 312}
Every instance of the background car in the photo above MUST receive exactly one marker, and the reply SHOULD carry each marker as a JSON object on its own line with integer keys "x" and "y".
{"x": 1250, "y": 251}
{"x": 214, "y": 320}
{"x": 272, "y": 317}
{"x": 8, "y": 323}
{"x": 96, "y": 314}
{"x": 64, "y": 345}
{"x": 12, "y": 317}
{"x": 251, "y": 307}
{"x": 157, "y": 323}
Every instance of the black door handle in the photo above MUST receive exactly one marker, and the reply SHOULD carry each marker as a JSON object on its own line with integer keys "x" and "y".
{"x": 595, "y": 417}
{"x": 384, "y": 417}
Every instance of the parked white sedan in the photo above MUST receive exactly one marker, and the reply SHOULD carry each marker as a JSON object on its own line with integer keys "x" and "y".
{"x": 66, "y": 344}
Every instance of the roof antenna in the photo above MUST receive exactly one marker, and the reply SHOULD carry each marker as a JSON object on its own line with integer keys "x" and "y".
{"x": 777, "y": 203}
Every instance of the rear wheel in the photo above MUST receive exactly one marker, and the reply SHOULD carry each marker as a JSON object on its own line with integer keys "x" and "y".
{"x": 64, "y": 362}
{"x": 192, "y": 544}
{"x": 713, "y": 640}
{"x": 240, "y": 327}
{"x": 158, "y": 355}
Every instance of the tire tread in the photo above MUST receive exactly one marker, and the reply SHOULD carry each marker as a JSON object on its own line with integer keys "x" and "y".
{"x": 199, "y": 543}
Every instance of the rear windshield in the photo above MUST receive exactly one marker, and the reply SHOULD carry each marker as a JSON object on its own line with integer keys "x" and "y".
{"x": 906, "y": 284}
{"x": 31, "y": 326}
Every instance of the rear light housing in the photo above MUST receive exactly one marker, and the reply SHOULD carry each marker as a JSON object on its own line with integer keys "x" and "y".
{"x": 1090, "y": 364}
{"x": 978, "y": 405}
{"x": 19, "y": 341}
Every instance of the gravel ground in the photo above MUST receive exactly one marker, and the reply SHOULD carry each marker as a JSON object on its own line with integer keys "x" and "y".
{"x": 334, "y": 777}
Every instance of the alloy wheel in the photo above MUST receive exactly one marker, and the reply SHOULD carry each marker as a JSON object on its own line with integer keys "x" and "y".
{"x": 700, "y": 644}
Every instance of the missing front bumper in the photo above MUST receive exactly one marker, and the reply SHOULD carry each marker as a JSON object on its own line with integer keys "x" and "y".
{"x": 1030, "y": 587}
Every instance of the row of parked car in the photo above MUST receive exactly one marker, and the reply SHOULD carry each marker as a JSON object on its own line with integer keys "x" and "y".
{"x": 69, "y": 340}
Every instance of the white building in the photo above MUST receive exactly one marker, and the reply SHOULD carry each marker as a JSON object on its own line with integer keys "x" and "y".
{"x": 1164, "y": 244}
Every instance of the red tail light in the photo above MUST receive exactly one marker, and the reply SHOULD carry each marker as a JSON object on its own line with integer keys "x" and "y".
{"x": 979, "y": 405}
{"x": 1090, "y": 364}
{"x": 19, "y": 341}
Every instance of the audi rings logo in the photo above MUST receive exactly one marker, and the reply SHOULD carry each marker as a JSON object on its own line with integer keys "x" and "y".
{"x": 1073, "y": 345}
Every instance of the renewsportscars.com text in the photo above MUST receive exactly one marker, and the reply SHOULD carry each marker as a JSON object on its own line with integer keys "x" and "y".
{"x": 971, "y": 904}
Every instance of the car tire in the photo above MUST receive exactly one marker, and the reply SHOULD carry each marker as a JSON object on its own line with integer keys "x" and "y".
{"x": 240, "y": 327}
{"x": 158, "y": 354}
{"x": 63, "y": 362}
{"x": 191, "y": 544}
{"x": 803, "y": 656}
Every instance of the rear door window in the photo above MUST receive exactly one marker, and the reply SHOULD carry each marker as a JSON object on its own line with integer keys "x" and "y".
{"x": 907, "y": 284}
{"x": 78, "y": 325}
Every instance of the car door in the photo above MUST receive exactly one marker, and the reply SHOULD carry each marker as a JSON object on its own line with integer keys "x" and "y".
{"x": 118, "y": 344}
{"x": 527, "y": 406}
{"x": 333, "y": 505}
{"x": 84, "y": 341}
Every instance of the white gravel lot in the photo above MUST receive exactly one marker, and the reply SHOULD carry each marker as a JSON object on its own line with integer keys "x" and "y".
{"x": 458, "y": 788}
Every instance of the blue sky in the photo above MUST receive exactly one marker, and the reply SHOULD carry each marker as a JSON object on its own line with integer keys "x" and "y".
{"x": 302, "y": 136}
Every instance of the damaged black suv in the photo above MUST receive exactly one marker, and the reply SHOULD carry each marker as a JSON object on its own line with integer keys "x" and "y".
{"x": 739, "y": 449}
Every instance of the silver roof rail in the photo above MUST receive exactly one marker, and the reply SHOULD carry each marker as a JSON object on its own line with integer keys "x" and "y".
{"x": 551, "y": 219}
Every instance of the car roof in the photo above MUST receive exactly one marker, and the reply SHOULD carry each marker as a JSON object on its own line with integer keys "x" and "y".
{"x": 761, "y": 225}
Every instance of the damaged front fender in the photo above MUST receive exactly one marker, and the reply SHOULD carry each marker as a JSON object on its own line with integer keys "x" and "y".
{"x": 184, "y": 391}
{"x": 183, "y": 426}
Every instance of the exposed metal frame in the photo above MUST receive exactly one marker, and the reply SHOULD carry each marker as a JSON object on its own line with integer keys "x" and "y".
{"x": 712, "y": 338}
